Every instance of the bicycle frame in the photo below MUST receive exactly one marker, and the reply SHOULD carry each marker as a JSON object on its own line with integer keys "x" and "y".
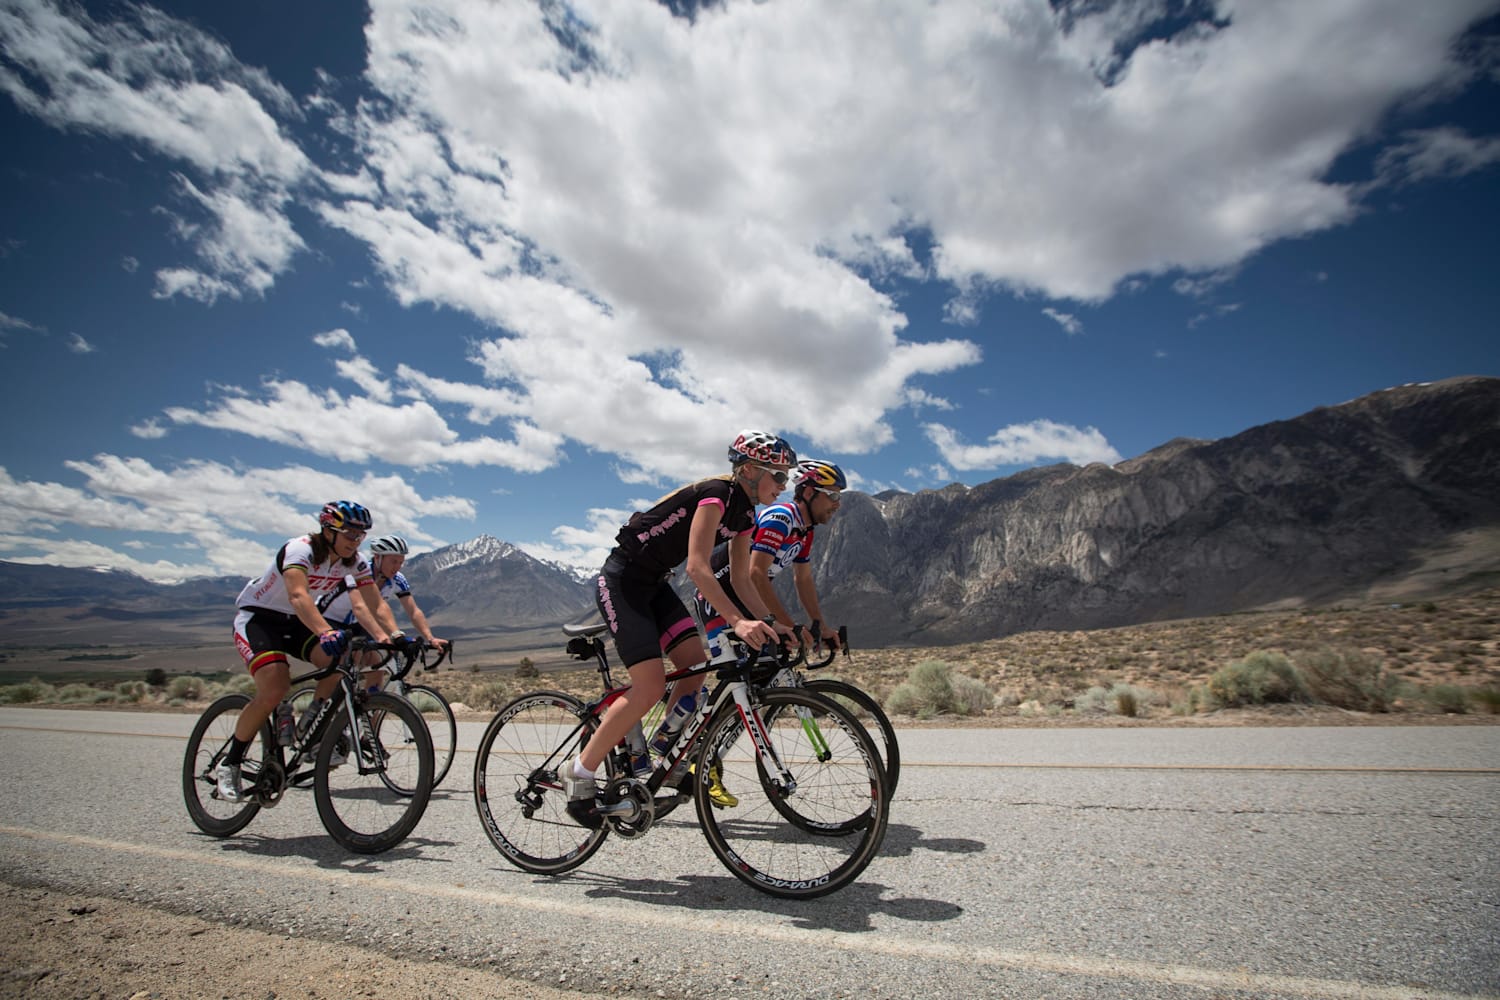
{"x": 733, "y": 686}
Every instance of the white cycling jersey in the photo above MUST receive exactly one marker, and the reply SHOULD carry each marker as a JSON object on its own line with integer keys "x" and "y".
{"x": 324, "y": 580}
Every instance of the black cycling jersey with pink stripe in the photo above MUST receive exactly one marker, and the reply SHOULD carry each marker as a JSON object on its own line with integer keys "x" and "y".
{"x": 655, "y": 541}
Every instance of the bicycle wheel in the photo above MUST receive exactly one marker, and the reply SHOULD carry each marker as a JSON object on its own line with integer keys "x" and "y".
{"x": 357, "y": 800}
{"x": 200, "y": 787}
{"x": 838, "y": 783}
{"x": 884, "y": 733}
{"x": 819, "y": 720}
{"x": 441, "y": 726}
{"x": 521, "y": 801}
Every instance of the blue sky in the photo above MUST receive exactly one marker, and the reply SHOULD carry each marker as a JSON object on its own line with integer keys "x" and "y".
{"x": 518, "y": 268}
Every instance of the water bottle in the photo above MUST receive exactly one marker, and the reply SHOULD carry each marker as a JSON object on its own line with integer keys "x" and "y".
{"x": 305, "y": 725}
{"x": 640, "y": 760}
{"x": 677, "y": 716}
{"x": 286, "y": 724}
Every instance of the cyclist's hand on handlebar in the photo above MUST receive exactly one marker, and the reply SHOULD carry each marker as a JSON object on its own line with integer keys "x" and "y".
{"x": 334, "y": 642}
{"x": 755, "y": 633}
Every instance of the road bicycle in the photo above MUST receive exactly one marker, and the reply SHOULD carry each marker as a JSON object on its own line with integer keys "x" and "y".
{"x": 371, "y": 789}
{"x": 812, "y": 802}
{"x": 442, "y": 726}
{"x": 816, "y": 655}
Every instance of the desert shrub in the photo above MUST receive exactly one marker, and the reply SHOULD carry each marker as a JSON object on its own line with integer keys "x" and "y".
{"x": 29, "y": 692}
{"x": 1348, "y": 678}
{"x": 1488, "y": 699}
{"x": 1449, "y": 698}
{"x": 1121, "y": 699}
{"x": 526, "y": 668}
{"x": 491, "y": 697}
{"x": 156, "y": 677}
{"x": 1261, "y": 678}
{"x": 933, "y": 689}
{"x": 79, "y": 694}
{"x": 970, "y": 696}
{"x": 186, "y": 688}
{"x": 131, "y": 691}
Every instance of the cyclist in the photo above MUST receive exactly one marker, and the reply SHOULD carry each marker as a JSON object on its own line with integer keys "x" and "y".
{"x": 783, "y": 536}
{"x": 387, "y": 555}
{"x": 278, "y": 617}
{"x": 644, "y": 614}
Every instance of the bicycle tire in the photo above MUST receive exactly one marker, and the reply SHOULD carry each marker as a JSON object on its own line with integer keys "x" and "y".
{"x": 884, "y": 732}
{"x": 442, "y": 730}
{"x": 520, "y": 799}
{"x": 200, "y": 788}
{"x": 755, "y": 839}
{"x": 819, "y": 725}
{"x": 356, "y": 799}
{"x": 442, "y": 726}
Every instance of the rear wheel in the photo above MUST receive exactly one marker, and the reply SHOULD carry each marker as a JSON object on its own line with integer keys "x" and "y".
{"x": 200, "y": 787}
{"x": 358, "y": 800}
{"x": 806, "y": 837}
{"x": 520, "y": 798}
{"x": 441, "y": 726}
{"x": 865, "y": 706}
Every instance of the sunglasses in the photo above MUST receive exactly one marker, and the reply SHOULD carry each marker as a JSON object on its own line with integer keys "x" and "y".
{"x": 351, "y": 534}
{"x": 777, "y": 474}
{"x": 837, "y": 496}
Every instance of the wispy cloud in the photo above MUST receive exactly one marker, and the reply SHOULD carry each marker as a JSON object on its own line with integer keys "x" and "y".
{"x": 1071, "y": 324}
{"x": 1023, "y": 444}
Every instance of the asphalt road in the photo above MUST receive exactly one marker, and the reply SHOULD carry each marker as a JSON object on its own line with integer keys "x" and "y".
{"x": 1277, "y": 862}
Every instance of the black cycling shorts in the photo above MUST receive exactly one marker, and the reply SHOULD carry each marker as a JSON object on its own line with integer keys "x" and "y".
{"x": 644, "y": 614}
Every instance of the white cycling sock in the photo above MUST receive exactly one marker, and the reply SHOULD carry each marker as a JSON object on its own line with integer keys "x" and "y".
{"x": 579, "y": 771}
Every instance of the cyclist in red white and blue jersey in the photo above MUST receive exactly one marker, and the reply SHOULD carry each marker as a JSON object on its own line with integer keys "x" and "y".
{"x": 646, "y": 617}
{"x": 278, "y": 617}
{"x": 783, "y": 537}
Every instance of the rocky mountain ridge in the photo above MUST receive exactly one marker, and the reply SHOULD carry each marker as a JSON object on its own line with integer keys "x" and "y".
{"x": 1339, "y": 504}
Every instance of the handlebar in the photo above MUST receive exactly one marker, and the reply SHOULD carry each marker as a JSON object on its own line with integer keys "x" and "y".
{"x": 408, "y": 652}
{"x": 828, "y": 651}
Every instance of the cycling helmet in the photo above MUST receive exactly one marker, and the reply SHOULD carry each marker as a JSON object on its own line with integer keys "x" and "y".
{"x": 388, "y": 545}
{"x": 759, "y": 446}
{"x": 342, "y": 514}
{"x": 824, "y": 475}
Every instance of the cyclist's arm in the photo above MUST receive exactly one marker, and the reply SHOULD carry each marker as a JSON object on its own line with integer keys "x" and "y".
{"x": 381, "y": 610}
{"x": 807, "y": 593}
{"x": 765, "y": 589}
{"x": 369, "y": 595}
{"x": 700, "y": 570}
{"x": 418, "y": 619}
{"x": 294, "y": 578}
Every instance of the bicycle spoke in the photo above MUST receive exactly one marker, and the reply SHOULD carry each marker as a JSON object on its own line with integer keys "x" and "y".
{"x": 519, "y": 797}
{"x": 806, "y": 839}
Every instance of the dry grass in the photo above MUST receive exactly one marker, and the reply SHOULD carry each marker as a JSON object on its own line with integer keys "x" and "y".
{"x": 1161, "y": 670}
{"x": 1442, "y": 654}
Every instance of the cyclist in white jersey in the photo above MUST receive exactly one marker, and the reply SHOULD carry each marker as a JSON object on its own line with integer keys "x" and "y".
{"x": 387, "y": 556}
{"x": 278, "y": 617}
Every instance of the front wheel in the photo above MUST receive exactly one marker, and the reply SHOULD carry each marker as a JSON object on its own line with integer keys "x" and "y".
{"x": 521, "y": 801}
{"x": 357, "y": 799}
{"x": 883, "y": 731}
{"x": 836, "y": 781}
{"x": 213, "y": 815}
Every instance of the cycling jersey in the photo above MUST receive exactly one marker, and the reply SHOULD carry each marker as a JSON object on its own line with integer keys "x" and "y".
{"x": 267, "y": 592}
{"x": 655, "y": 541}
{"x": 267, "y": 629}
{"x": 646, "y": 618}
{"x": 340, "y": 609}
{"x": 780, "y": 532}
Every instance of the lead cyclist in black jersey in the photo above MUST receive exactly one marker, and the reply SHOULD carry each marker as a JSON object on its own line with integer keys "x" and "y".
{"x": 646, "y": 617}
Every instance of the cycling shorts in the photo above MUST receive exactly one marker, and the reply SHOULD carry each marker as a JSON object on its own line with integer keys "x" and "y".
{"x": 644, "y": 614}
{"x": 264, "y": 637}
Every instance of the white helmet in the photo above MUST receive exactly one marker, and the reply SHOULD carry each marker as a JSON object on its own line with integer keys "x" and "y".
{"x": 388, "y": 545}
